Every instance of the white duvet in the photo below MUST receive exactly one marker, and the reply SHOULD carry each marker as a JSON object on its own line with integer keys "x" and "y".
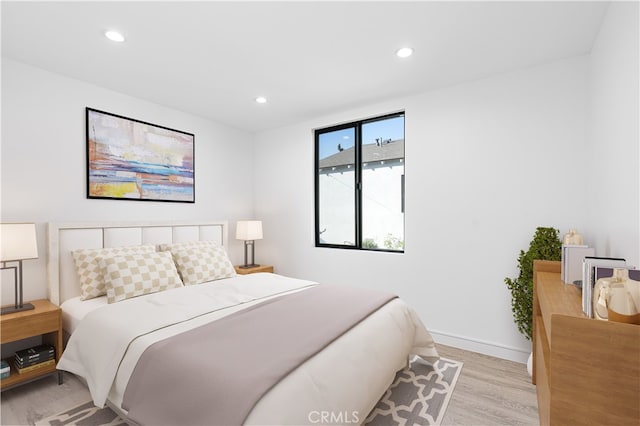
{"x": 344, "y": 381}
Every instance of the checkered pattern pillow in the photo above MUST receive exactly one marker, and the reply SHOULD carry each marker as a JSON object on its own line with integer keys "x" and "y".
{"x": 137, "y": 274}
{"x": 91, "y": 275}
{"x": 198, "y": 264}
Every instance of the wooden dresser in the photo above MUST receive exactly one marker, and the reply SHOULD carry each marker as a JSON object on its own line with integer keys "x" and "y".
{"x": 586, "y": 371}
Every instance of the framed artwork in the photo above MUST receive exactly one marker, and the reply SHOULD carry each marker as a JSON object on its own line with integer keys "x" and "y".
{"x": 129, "y": 159}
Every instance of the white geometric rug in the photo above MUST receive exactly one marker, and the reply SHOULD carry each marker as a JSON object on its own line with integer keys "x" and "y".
{"x": 418, "y": 396}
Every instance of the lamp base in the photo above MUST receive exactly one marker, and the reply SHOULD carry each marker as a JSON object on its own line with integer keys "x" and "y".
{"x": 253, "y": 265}
{"x": 13, "y": 308}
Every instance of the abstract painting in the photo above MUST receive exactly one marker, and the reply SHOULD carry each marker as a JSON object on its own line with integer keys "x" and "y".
{"x": 129, "y": 159}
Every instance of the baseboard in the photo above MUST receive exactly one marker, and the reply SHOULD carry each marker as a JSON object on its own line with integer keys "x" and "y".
{"x": 486, "y": 348}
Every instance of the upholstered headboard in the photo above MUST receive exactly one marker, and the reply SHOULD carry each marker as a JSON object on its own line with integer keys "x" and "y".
{"x": 63, "y": 238}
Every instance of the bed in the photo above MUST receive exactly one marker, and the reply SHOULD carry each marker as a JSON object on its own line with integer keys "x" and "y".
{"x": 110, "y": 344}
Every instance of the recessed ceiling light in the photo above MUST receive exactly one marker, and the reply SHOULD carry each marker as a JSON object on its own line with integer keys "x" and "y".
{"x": 114, "y": 36}
{"x": 404, "y": 52}
{"x": 261, "y": 100}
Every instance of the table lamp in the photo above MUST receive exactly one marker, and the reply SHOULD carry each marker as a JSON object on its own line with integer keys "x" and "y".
{"x": 17, "y": 243}
{"x": 249, "y": 231}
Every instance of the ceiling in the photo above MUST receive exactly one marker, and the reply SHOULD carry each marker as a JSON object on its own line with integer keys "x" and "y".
{"x": 212, "y": 59}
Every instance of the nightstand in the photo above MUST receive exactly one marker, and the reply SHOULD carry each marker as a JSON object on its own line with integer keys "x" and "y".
{"x": 261, "y": 268}
{"x": 46, "y": 321}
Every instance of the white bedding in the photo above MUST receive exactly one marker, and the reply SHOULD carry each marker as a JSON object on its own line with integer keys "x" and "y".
{"x": 349, "y": 376}
{"x": 75, "y": 309}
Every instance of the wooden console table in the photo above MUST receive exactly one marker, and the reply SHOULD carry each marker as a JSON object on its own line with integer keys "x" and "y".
{"x": 586, "y": 371}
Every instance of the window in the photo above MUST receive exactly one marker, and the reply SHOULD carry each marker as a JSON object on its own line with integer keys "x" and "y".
{"x": 360, "y": 184}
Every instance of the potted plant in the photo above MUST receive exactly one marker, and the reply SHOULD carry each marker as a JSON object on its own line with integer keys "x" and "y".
{"x": 545, "y": 245}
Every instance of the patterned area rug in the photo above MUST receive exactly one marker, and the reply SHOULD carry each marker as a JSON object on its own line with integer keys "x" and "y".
{"x": 418, "y": 396}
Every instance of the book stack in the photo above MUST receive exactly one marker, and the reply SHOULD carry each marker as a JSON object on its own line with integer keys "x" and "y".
{"x": 5, "y": 370}
{"x": 34, "y": 358}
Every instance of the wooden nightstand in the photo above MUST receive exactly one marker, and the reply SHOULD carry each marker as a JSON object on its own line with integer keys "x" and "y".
{"x": 46, "y": 321}
{"x": 261, "y": 268}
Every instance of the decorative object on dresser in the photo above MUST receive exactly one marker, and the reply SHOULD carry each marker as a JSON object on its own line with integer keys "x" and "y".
{"x": 18, "y": 242}
{"x": 133, "y": 160}
{"x": 574, "y": 250}
{"x": 590, "y": 267}
{"x": 572, "y": 238}
{"x": 252, "y": 270}
{"x": 44, "y": 320}
{"x": 617, "y": 297}
{"x": 586, "y": 371}
{"x": 249, "y": 231}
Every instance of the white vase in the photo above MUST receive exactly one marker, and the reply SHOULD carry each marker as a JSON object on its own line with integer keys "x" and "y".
{"x": 530, "y": 364}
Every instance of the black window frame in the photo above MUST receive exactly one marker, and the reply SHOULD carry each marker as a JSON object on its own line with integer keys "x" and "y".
{"x": 357, "y": 125}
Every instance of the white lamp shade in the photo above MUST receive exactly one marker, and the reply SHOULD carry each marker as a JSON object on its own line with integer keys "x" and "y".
{"x": 18, "y": 241}
{"x": 249, "y": 230}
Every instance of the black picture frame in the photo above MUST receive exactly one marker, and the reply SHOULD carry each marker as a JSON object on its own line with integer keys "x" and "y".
{"x": 129, "y": 159}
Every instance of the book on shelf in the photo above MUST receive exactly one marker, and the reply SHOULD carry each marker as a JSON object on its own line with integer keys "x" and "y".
{"x": 34, "y": 351}
{"x": 34, "y": 355}
{"x": 32, "y": 361}
{"x": 5, "y": 369}
{"x": 590, "y": 264}
{"x": 36, "y": 366}
{"x": 571, "y": 261}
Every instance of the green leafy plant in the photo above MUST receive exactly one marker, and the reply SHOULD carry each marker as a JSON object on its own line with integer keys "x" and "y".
{"x": 369, "y": 243}
{"x": 393, "y": 243}
{"x": 545, "y": 245}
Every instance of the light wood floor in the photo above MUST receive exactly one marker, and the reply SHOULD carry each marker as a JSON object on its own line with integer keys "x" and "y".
{"x": 490, "y": 391}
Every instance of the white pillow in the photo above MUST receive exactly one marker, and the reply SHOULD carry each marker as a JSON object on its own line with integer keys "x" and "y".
{"x": 198, "y": 263}
{"x": 91, "y": 275}
{"x": 137, "y": 274}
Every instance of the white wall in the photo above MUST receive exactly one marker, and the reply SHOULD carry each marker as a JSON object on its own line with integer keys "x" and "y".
{"x": 614, "y": 135}
{"x": 486, "y": 163}
{"x": 44, "y": 165}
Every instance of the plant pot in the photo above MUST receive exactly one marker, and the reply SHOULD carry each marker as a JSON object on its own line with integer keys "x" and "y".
{"x": 530, "y": 364}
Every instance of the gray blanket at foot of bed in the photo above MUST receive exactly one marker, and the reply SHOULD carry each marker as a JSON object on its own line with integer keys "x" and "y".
{"x": 216, "y": 373}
